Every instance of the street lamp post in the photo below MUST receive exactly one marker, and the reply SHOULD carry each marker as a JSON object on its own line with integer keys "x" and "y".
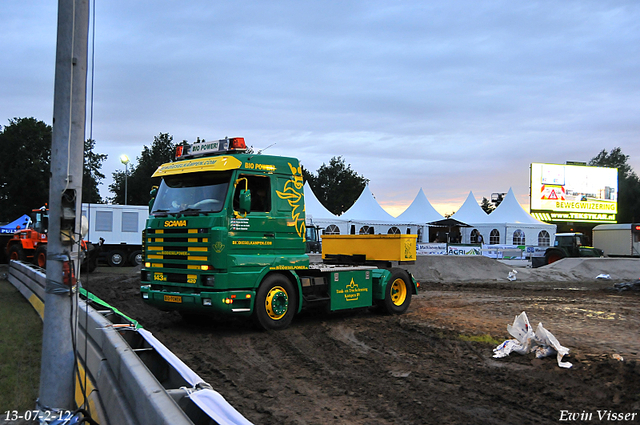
{"x": 125, "y": 160}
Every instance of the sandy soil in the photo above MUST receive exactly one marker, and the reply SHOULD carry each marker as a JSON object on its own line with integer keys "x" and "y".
{"x": 433, "y": 365}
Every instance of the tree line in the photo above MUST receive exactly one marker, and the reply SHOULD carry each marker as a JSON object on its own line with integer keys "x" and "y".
{"x": 25, "y": 171}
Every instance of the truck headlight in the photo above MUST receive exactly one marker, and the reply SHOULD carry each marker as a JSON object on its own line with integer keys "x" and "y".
{"x": 209, "y": 280}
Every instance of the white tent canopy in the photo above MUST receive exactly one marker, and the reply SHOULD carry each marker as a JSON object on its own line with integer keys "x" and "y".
{"x": 316, "y": 213}
{"x": 508, "y": 224}
{"x": 420, "y": 211}
{"x": 313, "y": 208}
{"x": 367, "y": 210}
{"x": 367, "y": 216}
{"x": 470, "y": 212}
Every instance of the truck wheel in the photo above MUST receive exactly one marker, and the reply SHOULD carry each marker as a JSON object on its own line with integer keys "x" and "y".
{"x": 115, "y": 258}
{"x": 397, "y": 295}
{"x": 135, "y": 258}
{"x": 17, "y": 253}
{"x": 275, "y": 303}
{"x": 40, "y": 259}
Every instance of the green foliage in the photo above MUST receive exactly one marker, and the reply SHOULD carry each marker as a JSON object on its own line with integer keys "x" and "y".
{"x": 139, "y": 180}
{"x": 24, "y": 166}
{"x": 92, "y": 176}
{"x": 628, "y": 183}
{"x": 336, "y": 185}
{"x": 25, "y": 171}
{"x": 487, "y": 206}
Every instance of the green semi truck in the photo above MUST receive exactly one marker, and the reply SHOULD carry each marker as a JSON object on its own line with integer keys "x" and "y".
{"x": 226, "y": 236}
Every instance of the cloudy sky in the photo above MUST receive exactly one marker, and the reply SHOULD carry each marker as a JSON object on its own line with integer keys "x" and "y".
{"x": 449, "y": 97}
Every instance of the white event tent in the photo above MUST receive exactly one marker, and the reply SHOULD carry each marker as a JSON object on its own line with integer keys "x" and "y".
{"x": 418, "y": 214}
{"x": 316, "y": 214}
{"x": 508, "y": 224}
{"x": 366, "y": 216}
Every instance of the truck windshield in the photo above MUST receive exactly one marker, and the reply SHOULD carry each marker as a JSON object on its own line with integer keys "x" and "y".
{"x": 195, "y": 192}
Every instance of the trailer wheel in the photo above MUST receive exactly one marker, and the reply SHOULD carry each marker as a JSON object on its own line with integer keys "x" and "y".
{"x": 397, "y": 295}
{"x": 40, "y": 259}
{"x": 16, "y": 252}
{"x": 116, "y": 258}
{"x": 275, "y": 303}
{"x": 135, "y": 258}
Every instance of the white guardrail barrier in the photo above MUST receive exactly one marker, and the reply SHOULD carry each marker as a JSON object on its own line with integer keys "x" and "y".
{"x": 132, "y": 378}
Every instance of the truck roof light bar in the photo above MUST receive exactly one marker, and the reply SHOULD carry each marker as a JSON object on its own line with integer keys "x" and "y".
{"x": 204, "y": 148}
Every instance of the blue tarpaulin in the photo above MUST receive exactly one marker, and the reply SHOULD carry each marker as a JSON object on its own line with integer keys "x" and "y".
{"x": 10, "y": 228}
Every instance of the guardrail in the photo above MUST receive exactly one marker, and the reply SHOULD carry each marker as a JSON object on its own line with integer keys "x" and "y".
{"x": 131, "y": 377}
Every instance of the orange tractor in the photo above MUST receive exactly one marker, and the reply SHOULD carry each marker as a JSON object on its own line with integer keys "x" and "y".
{"x": 30, "y": 244}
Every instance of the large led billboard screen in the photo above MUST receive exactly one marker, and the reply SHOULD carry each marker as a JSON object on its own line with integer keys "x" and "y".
{"x": 574, "y": 193}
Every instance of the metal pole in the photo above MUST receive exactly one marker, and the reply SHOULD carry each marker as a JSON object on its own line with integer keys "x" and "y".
{"x": 65, "y": 190}
{"x": 126, "y": 178}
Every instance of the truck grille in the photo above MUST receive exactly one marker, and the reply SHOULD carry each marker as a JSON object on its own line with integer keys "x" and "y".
{"x": 177, "y": 249}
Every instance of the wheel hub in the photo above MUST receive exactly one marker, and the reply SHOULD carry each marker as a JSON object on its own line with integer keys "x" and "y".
{"x": 277, "y": 303}
{"x": 398, "y": 292}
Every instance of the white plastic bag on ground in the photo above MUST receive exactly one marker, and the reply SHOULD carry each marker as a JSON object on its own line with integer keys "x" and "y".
{"x": 542, "y": 342}
{"x": 523, "y": 334}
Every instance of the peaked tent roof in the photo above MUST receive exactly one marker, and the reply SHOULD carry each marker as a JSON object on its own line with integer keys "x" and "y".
{"x": 313, "y": 208}
{"x": 420, "y": 211}
{"x": 510, "y": 211}
{"x": 10, "y": 228}
{"x": 366, "y": 208}
{"x": 471, "y": 213}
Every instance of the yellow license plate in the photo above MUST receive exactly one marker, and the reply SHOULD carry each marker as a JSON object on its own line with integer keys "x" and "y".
{"x": 173, "y": 298}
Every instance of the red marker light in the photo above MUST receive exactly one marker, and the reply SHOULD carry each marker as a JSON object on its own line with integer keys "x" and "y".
{"x": 179, "y": 151}
{"x": 237, "y": 143}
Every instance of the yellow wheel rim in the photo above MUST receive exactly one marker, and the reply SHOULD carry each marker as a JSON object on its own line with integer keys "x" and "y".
{"x": 398, "y": 292}
{"x": 277, "y": 303}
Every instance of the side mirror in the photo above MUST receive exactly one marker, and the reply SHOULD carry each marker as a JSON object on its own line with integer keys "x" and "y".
{"x": 244, "y": 203}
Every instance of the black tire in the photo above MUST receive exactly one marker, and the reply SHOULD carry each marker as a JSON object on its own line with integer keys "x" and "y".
{"x": 397, "y": 293}
{"x": 16, "y": 252}
{"x": 135, "y": 258}
{"x": 40, "y": 259}
{"x": 116, "y": 258}
{"x": 553, "y": 256}
{"x": 276, "y": 303}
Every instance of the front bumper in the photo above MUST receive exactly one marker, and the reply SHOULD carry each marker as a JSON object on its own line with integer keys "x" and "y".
{"x": 238, "y": 303}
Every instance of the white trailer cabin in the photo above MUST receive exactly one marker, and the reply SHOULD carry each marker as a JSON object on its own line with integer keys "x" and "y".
{"x": 618, "y": 240}
{"x": 118, "y": 229}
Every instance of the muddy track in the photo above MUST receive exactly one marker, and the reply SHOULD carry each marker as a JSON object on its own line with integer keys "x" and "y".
{"x": 424, "y": 367}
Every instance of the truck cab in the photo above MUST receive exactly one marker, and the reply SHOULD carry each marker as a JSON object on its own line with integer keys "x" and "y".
{"x": 226, "y": 236}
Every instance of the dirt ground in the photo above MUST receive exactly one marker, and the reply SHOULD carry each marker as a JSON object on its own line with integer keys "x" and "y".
{"x": 432, "y": 365}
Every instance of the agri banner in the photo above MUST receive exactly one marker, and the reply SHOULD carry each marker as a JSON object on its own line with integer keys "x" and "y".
{"x": 505, "y": 252}
{"x": 464, "y": 250}
{"x": 431, "y": 249}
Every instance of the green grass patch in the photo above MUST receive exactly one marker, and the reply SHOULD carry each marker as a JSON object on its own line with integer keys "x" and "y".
{"x": 487, "y": 339}
{"x": 20, "y": 350}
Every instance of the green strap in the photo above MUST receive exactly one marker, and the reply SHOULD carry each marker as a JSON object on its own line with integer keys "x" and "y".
{"x": 97, "y": 300}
